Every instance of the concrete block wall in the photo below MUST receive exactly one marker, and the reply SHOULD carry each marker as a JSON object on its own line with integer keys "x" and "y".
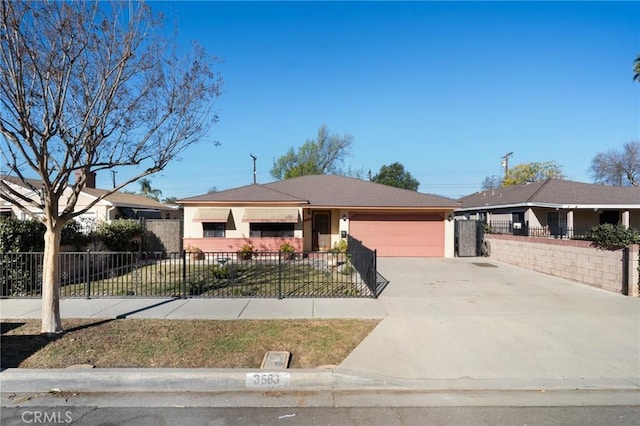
{"x": 570, "y": 259}
{"x": 163, "y": 235}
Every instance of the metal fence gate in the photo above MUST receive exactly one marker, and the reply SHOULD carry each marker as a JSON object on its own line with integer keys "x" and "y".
{"x": 469, "y": 235}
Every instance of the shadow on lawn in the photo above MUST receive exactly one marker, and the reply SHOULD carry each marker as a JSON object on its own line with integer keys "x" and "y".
{"x": 16, "y": 348}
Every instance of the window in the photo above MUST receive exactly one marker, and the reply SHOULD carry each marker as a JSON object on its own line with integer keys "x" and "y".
{"x": 213, "y": 229}
{"x": 557, "y": 222}
{"x": 609, "y": 216}
{"x": 259, "y": 230}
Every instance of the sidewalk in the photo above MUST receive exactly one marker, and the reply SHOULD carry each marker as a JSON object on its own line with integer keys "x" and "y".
{"x": 217, "y": 309}
{"x": 465, "y": 331}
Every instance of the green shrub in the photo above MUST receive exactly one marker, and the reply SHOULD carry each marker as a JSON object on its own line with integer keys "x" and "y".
{"x": 219, "y": 272}
{"x": 347, "y": 268}
{"x": 72, "y": 235}
{"x": 247, "y": 251}
{"x": 21, "y": 235}
{"x": 118, "y": 234}
{"x": 28, "y": 235}
{"x": 340, "y": 246}
{"x": 612, "y": 237}
{"x": 286, "y": 247}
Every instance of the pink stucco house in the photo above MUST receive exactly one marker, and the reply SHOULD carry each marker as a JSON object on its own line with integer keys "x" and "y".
{"x": 312, "y": 213}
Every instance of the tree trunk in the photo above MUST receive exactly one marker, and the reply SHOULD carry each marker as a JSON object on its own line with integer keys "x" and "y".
{"x": 51, "y": 323}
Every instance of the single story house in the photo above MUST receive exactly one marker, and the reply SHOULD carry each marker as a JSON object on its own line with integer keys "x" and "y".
{"x": 119, "y": 205}
{"x": 556, "y": 207}
{"x": 29, "y": 189}
{"x": 314, "y": 212}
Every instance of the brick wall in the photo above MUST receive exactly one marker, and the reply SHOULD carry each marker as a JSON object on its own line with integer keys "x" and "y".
{"x": 570, "y": 259}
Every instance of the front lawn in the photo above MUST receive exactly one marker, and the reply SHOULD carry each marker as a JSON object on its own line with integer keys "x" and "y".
{"x": 296, "y": 278}
{"x": 145, "y": 343}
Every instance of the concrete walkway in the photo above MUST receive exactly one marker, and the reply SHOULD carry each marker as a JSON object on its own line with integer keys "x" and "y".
{"x": 218, "y": 309}
{"x": 465, "y": 324}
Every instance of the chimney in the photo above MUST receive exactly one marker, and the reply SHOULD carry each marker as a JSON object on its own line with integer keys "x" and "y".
{"x": 91, "y": 179}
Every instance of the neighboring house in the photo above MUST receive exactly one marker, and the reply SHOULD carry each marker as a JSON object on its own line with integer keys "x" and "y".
{"x": 554, "y": 207}
{"x": 118, "y": 205}
{"x": 314, "y": 212}
{"x": 29, "y": 190}
{"x": 121, "y": 205}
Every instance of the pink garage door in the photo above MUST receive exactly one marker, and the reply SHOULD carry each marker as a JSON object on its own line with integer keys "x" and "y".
{"x": 400, "y": 234}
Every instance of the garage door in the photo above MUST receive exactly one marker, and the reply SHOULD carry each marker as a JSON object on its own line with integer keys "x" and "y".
{"x": 400, "y": 234}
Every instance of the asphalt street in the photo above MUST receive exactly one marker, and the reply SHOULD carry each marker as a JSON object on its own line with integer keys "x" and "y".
{"x": 461, "y": 341}
{"x": 330, "y": 416}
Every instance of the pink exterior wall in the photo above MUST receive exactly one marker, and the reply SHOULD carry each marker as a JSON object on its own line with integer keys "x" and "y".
{"x": 571, "y": 259}
{"x": 234, "y": 244}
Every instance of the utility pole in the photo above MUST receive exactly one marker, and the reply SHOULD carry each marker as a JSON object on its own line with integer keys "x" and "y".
{"x": 254, "y": 167}
{"x": 113, "y": 177}
{"x": 505, "y": 163}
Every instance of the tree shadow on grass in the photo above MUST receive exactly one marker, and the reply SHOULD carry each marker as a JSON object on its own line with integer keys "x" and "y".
{"x": 16, "y": 348}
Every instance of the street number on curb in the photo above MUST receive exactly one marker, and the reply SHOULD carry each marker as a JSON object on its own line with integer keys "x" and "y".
{"x": 267, "y": 380}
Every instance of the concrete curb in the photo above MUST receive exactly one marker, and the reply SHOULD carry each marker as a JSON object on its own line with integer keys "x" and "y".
{"x": 301, "y": 388}
{"x": 162, "y": 380}
{"x": 212, "y": 380}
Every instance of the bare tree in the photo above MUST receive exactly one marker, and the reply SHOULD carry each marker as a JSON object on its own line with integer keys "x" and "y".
{"x": 492, "y": 182}
{"x": 90, "y": 86}
{"x": 618, "y": 167}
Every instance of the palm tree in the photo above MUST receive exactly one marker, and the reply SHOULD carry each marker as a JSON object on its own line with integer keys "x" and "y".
{"x": 636, "y": 69}
{"x": 148, "y": 191}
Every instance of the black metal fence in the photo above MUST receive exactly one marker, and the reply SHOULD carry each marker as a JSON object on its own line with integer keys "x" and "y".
{"x": 217, "y": 274}
{"x": 547, "y": 231}
{"x": 365, "y": 261}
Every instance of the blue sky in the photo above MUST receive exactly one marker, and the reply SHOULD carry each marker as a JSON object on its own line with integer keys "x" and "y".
{"x": 445, "y": 88}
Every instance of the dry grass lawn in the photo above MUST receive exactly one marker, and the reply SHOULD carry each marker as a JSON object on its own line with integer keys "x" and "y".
{"x": 180, "y": 343}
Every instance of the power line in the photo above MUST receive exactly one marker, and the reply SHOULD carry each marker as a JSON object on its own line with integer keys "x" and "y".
{"x": 505, "y": 163}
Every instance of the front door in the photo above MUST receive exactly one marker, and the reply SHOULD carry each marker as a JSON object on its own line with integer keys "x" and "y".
{"x": 321, "y": 230}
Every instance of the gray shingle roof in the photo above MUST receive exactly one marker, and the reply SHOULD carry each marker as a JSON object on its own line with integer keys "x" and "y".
{"x": 117, "y": 198}
{"x": 17, "y": 181}
{"x": 556, "y": 192}
{"x": 250, "y": 193}
{"x": 124, "y": 199}
{"x": 328, "y": 191}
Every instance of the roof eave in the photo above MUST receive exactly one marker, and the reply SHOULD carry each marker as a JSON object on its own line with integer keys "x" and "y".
{"x": 509, "y": 206}
{"x": 354, "y": 207}
{"x": 241, "y": 202}
{"x": 601, "y": 206}
{"x": 552, "y": 206}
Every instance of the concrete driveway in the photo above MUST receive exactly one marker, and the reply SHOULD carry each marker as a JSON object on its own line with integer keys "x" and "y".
{"x": 475, "y": 323}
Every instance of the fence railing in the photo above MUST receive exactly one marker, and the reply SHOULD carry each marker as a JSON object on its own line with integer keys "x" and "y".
{"x": 215, "y": 274}
{"x": 524, "y": 229}
{"x": 365, "y": 261}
